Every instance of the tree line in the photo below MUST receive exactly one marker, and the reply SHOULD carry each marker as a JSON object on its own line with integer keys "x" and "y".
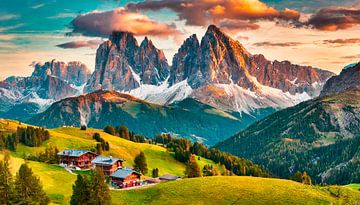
{"x": 123, "y": 132}
{"x": 184, "y": 148}
{"x": 29, "y": 136}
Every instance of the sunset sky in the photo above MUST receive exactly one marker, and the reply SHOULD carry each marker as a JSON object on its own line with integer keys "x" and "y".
{"x": 320, "y": 33}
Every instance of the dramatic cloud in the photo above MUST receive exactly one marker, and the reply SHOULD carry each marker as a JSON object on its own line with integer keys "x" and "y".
{"x": 204, "y": 12}
{"x": 234, "y": 26}
{"x": 79, "y": 44}
{"x": 333, "y": 19}
{"x": 343, "y": 41}
{"x": 120, "y": 19}
{"x": 280, "y": 44}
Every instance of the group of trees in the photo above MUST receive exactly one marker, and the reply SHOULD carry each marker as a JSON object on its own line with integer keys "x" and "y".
{"x": 123, "y": 132}
{"x": 301, "y": 177}
{"x": 8, "y": 141}
{"x": 49, "y": 155}
{"x": 184, "y": 149}
{"x": 102, "y": 145}
{"x": 31, "y": 136}
{"x": 24, "y": 189}
{"x": 140, "y": 163}
{"x": 210, "y": 170}
{"x": 91, "y": 189}
{"x": 155, "y": 173}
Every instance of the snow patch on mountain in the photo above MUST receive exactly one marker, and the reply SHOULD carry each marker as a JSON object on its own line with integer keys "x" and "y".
{"x": 162, "y": 94}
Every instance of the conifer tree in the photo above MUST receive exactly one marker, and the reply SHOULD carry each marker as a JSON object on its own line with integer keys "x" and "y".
{"x": 81, "y": 191}
{"x": 28, "y": 189}
{"x": 100, "y": 192}
{"x": 6, "y": 183}
{"x": 155, "y": 173}
{"x": 140, "y": 163}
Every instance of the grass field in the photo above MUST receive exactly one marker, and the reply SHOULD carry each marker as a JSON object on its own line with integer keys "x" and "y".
{"x": 354, "y": 186}
{"x": 236, "y": 190}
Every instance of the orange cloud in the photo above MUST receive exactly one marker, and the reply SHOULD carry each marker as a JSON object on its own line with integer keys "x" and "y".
{"x": 120, "y": 19}
{"x": 204, "y": 12}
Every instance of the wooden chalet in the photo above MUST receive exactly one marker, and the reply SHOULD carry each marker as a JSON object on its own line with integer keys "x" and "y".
{"x": 108, "y": 164}
{"x": 124, "y": 178}
{"x": 77, "y": 158}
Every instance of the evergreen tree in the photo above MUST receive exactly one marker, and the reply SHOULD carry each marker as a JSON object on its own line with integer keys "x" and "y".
{"x": 140, "y": 163}
{"x": 6, "y": 183}
{"x": 81, "y": 190}
{"x": 100, "y": 192}
{"x": 155, "y": 173}
{"x": 192, "y": 168}
{"x": 110, "y": 130}
{"x": 28, "y": 189}
{"x": 124, "y": 132}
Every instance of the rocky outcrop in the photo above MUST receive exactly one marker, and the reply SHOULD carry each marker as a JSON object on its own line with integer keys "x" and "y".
{"x": 347, "y": 79}
{"x": 121, "y": 64}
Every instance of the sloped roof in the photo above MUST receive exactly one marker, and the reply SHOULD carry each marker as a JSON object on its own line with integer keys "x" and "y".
{"x": 123, "y": 173}
{"x": 169, "y": 177}
{"x": 73, "y": 153}
{"x": 106, "y": 160}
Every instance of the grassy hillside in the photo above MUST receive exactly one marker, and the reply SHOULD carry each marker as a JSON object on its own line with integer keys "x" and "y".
{"x": 236, "y": 190}
{"x": 74, "y": 138}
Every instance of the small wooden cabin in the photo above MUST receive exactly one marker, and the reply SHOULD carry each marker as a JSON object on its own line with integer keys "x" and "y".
{"x": 124, "y": 178}
{"x": 107, "y": 164}
{"x": 77, "y": 158}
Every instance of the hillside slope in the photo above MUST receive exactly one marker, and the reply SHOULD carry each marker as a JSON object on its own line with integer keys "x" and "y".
{"x": 187, "y": 118}
{"x": 320, "y": 136}
{"x": 236, "y": 190}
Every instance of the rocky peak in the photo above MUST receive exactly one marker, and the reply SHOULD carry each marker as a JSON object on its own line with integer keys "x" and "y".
{"x": 224, "y": 60}
{"x": 347, "y": 79}
{"x": 122, "y": 65}
{"x": 74, "y": 72}
{"x": 186, "y": 63}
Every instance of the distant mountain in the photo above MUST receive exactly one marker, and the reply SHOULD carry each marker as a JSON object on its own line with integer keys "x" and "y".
{"x": 21, "y": 97}
{"x": 217, "y": 71}
{"x": 348, "y": 78}
{"x": 188, "y": 118}
{"x": 320, "y": 136}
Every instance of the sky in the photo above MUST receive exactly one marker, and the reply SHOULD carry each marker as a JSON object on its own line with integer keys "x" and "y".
{"x": 319, "y": 33}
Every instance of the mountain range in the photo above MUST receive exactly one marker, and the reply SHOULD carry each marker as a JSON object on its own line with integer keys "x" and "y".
{"x": 319, "y": 136}
{"x": 216, "y": 71}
